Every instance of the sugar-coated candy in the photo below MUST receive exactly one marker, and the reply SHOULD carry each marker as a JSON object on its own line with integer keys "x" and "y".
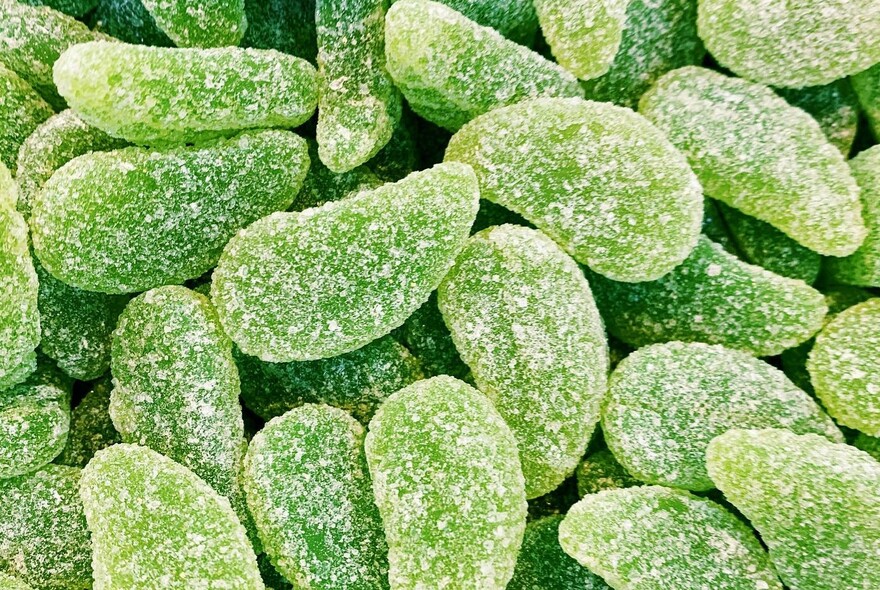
{"x": 515, "y": 19}
{"x": 449, "y": 487}
{"x": 835, "y": 107}
{"x": 358, "y": 105}
{"x": 43, "y": 535}
{"x": 808, "y": 43}
{"x": 844, "y": 367}
{"x": 8, "y": 582}
{"x": 357, "y": 381}
{"x": 91, "y": 428}
{"x": 666, "y": 402}
{"x": 129, "y": 21}
{"x": 597, "y": 178}
{"x": 426, "y": 336}
{"x": 755, "y": 152}
{"x": 863, "y": 266}
{"x": 867, "y": 88}
{"x": 659, "y": 36}
{"x": 584, "y": 35}
{"x": 450, "y": 69}
{"x": 159, "y": 96}
{"x": 58, "y": 140}
{"x": 285, "y": 25}
{"x": 715, "y": 298}
{"x": 656, "y": 538}
{"x": 309, "y": 491}
{"x": 322, "y": 185}
{"x": 816, "y": 504}
{"x": 71, "y": 7}
{"x": 601, "y": 471}
{"x": 156, "y": 526}
{"x": 132, "y": 219}
{"x": 21, "y": 111}
{"x": 523, "y": 318}
{"x": 310, "y": 285}
{"x": 543, "y": 565}
{"x": 199, "y": 23}
{"x": 869, "y": 444}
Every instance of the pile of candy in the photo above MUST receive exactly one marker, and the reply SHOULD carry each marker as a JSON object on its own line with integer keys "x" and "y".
{"x": 410, "y": 295}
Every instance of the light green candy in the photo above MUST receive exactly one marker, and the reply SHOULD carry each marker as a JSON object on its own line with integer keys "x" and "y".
{"x": 160, "y": 96}
{"x": 835, "y": 107}
{"x": 809, "y": 43}
{"x": 867, "y": 88}
{"x": 655, "y": 538}
{"x": 844, "y": 367}
{"x": 584, "y": 35}
{"x": 43, "y": 535}
{"x": 7, "y": 582}
{"x": 816, "y": 504}
{"x": 200, "y": 23}
{"x": 425, "y": 335}
{"x": 21, "y": 111}
{"x": 862, "y": 268}
{"x": 666, "y": 402}
{"x": 543, "y": 565}
{"x": 659, "y": 36}
{"x": 358, "y": 105}
{"x": 715, "y": 298}
{"x": 155, "y": 525}
{"x": 91, "y": 428}
{"x": 449, "y": 487}
{"x": 515, "y": 19}
{"x": 523, "y": 318}
{"x": 322, "y": 185}
{"x": 358, "y": 381}
{"x": 597, "y": 178}
{"x": 133, "y": 219}
{"x": 756, "y": 153}
{"x": 601, "y": 471}
{"x": 310, "y": 285}
{"x": 283, "y": 25}
{"x": 450, "y": 69}
{"x": 309, "y": 491}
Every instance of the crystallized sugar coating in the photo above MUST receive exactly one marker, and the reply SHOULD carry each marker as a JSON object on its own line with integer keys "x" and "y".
{"x": 597, "y": 178}
{"x": 835, "y": 107}
{"x": 543, "y": 565}
{"x": 21, "y": 111}
{"x": 322, "y": 185}
{"x": 667, "y": 401}
{"x": 755, "y": 152}
{"x": 515, "y": 19}
{"x": 91, "y": 428}
{"x": 584, "y": 35}
{"x": 316, "y": 284}
{"x": 425, "y": 334}
{"x": 156, "y": 526}
{"x": 450, "y": 69}
{"x": 792, "y": 44}
{"x": 286, "y": 26}
{"x": 132, "y": 219}
{"x": 58, "y": 140}
{"x": 43, "y": 534}
{"x": 816, "y": 504}
{"x": 659, "y": 36}
{"x": 309, "y": 491}
{"x": 159, "y": 96}
{"x": 358, "y": 381}
{"x": 129, "y": 21}
{"x": 714, "y": 298}
{"x": 7, "y": 582}
{"x": 863, "y": 266}
{"x": 358, "y": 105}
{"x": 71, "y": 7}
{"x": 601, "y": 471}
{"x": 844, "y": 367}
{"x": 523, "y": 318}
{"x": 448, "y": 484}
{"x": 199, "y": 23}
{"x": 656, "y": 538}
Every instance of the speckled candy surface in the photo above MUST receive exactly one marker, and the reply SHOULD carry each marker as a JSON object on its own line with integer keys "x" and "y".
{"x": 91, "y": 428}
{"x": 601, "y": 471}
{"x": 199, "y": 23}
{"x": 21, "y": 111}
{"x": 11, "y": 583}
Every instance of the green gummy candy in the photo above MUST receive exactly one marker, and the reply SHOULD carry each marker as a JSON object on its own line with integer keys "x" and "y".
{"x": 807, "y": 43}
{"x": 91, "y": 428}
{"x": 755, "y": 152}
{"x": 310, "y": 285}
{"x": 597, "y": 178}
{"x": 200, "y": 23}
{"x": 322, "y": 185}
{"x": 844, "y": 367}
{"x": 132, "y": 219}
{"x": 130, "y": 21}
{"x": 869, "y": 444}
{"x": 655, "y": 538}
{"x": 515, "y": 19}
{"x": 862, "y": 267}
{"x": 835, "y": 107}
{"x": 816, "y": 504}
{"x": 21, "y": 111}
{"x": 715, "y": 298}
{"x": 450, "y": 69}
{"x": 659, "y": 36}
{"x": 309, "y": 490}
{"x": 32, "y": 38}
{"x": 523, "y": 318}
{"x": 448, "y": 484}
{"x": 358, "y": 105}
{"x": 43, "y": 535}
{"x": 543, "y": 565}
{"x": 155, "y": 525}
{"x": 358, "y": 381}
{"x": 425, "y": 334}
{"x": 8, "y": 582}
{"x": 58, "y": 140}
{"x": 71, "y": 7}
{"x": 161, "y": 96}
{"x": 285, "y": 25}
{"x": 666, "y": 402}
{"x": 601, "y": 471}
{"x": 584, "y": 35}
